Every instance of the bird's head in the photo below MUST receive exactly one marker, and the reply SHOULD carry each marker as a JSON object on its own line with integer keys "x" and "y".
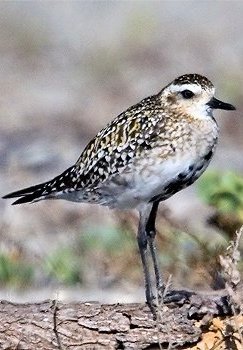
{"x": 192, "y": 94}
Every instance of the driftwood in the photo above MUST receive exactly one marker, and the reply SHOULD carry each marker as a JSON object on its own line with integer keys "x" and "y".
{"x": 55, "y": 325}
{"x": 185, "y": 320}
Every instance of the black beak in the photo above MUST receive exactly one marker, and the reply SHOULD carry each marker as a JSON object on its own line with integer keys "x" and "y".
{"x": 217, "y": 104}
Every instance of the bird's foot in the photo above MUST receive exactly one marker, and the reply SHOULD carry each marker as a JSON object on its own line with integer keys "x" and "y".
{"x": 176, "y": 296}
{"x": 153, "y": 310}
{"x": 165, "y": 296}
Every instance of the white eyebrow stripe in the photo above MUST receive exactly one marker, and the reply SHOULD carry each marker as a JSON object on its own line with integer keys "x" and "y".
{"x": 196, "y": 89}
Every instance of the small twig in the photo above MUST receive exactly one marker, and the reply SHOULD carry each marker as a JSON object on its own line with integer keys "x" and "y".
{"x": 229, "y": 262}
{"x": 232, "y": 278}
{"x": 167, "y": 286}
{"x": 159, "y": 304}
{"x": 54, "y": 306}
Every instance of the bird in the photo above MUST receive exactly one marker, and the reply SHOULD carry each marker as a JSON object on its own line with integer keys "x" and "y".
{"x": 145, "y": 155}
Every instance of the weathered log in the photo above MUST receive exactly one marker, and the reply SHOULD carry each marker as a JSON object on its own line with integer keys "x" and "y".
{"x": 56, "y": 325}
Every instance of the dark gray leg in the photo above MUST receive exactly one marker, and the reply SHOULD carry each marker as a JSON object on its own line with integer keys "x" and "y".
{"x": 142, "y": 244}
{"x": 151, "y": 232}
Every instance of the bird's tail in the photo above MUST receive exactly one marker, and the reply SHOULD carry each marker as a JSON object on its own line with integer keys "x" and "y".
{"x": 44, "y": 190}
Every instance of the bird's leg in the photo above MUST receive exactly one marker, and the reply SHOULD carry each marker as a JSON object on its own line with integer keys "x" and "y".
{"x": 151, "y": 232}
{"x": 142, "y": 244}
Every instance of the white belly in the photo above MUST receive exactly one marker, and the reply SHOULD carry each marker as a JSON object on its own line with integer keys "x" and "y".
{"x": 133, "y": 188}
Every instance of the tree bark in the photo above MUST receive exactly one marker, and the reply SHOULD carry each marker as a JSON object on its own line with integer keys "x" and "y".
{"x": 56, "y": 325}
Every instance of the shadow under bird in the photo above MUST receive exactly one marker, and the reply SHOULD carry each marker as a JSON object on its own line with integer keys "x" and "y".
{"x": 145, "y": 155}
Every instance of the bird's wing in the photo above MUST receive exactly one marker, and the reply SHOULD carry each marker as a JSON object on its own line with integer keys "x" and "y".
{"x": 124, "y": 139}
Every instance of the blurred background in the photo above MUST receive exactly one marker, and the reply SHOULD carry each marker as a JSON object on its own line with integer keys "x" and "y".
{"x": 67, "y": 69}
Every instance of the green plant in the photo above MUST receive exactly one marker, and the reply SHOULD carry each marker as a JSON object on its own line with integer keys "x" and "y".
{"x": 64, "y": 266}
{"x": 109, "y": 239}
{"x": 224, "y": 191}
{"x": 14, "y": 273}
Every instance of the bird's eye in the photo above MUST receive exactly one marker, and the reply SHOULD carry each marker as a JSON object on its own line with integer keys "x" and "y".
{"x": 187, "y": 94}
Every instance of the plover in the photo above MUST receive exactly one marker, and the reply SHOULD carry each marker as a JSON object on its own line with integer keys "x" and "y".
{"x": 146, "y": 154}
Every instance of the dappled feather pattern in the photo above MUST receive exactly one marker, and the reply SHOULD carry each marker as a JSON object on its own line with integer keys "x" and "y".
{"x": 140, "y": 142}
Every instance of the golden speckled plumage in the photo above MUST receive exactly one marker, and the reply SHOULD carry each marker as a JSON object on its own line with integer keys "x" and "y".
{"x": 141, "y": 142}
